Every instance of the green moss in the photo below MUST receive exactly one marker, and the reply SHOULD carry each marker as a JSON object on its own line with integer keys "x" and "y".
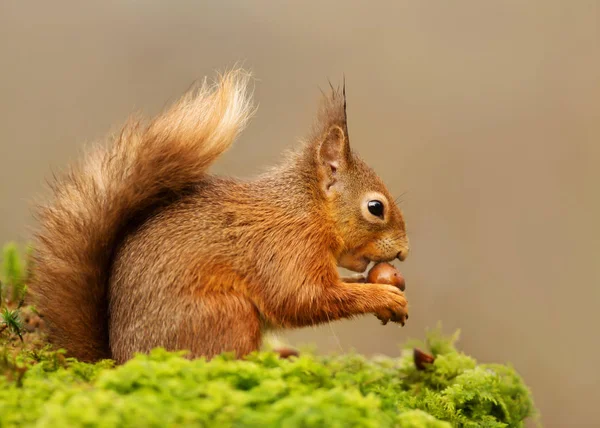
{"x": 12, "y": 275}
{"x": 166, "y": 389}
{"x": 40, "y": 387}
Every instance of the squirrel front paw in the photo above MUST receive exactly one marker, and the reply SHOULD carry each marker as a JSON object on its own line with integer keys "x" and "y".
{"x": 395, "y": 306}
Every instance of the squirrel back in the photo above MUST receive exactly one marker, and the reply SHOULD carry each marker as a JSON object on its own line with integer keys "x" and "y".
{"x": 93, "y": 203}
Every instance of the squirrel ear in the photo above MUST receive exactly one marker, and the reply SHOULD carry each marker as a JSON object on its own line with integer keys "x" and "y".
{"x": 334, "y": 155}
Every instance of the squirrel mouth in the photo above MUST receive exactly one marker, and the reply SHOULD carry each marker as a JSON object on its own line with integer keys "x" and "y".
{"x": 360, "y": 264}
{"x": 380, "y": 259}
{"x": 375, "y": 260}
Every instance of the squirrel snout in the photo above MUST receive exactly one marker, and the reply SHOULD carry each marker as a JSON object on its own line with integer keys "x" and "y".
{"x": 403, "y": 254}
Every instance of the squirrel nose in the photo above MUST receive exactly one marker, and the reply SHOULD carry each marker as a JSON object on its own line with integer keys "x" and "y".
{"x": 403, "y": 254}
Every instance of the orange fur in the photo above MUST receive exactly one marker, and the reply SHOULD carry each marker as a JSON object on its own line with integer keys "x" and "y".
{"x": 143, "y": 248}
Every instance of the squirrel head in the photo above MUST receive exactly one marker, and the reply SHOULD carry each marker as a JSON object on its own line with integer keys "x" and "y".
{"x": 365, "y": 216}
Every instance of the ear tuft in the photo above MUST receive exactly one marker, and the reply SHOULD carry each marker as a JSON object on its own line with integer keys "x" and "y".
{"x": 329, "y": 143}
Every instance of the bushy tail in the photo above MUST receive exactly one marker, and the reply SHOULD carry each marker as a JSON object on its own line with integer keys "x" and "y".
{"x": 94, "y": 202}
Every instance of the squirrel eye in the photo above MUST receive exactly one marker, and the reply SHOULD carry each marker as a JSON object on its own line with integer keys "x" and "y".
{"x": 376, "y": 208}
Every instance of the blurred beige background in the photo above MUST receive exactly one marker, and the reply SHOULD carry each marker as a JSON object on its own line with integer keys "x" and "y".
{"x": 486, "y": 113}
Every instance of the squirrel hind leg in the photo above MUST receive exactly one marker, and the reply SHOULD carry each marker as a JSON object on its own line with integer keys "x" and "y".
{"x": 205, "y": 326}
{"x": 220, "y": 323}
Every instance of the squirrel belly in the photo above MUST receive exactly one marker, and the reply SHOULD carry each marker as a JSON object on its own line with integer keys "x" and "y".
{"x": 141, "y": 247}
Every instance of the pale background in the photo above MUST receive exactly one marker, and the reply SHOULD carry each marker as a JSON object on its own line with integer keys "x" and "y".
{"x": 485, "y": 113}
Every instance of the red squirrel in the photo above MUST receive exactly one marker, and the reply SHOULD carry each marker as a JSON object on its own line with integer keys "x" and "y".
{"x": 141, "y": 247}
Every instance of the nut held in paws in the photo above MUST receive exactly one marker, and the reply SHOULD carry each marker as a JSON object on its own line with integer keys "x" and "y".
{"x": 385, "y": 273}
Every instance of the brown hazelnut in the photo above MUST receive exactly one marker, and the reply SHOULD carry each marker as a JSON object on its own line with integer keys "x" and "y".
{"x": 385, "y": 273}
{"x": 287, "y": 353}
{"x": 422, "y": 359}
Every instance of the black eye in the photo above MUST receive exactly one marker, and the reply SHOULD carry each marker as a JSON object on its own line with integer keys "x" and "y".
{"x": 376, "y": 208}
